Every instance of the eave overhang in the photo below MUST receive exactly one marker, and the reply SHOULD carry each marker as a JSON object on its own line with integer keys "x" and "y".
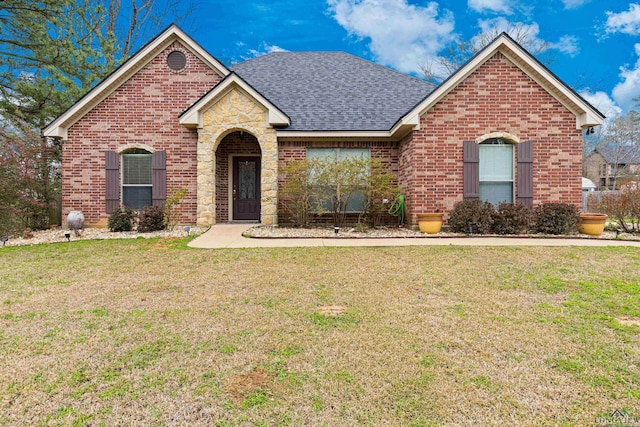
{"x": 58, "y": 128}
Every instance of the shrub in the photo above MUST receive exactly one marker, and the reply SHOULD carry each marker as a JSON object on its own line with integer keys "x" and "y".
{"x": 122, "y": 219}
{"x": 622, "y": 206}
{"x": 511, "y": 218}
{"x": 296, "y": 192}
{"x": 151, "y": 219}
{"x": 335, "y": 182}
{"x": 556, "y": 218}
{"x": 473, "y": 216}
{"x": 381, "y": 186}
{"x": 170, "y": 205}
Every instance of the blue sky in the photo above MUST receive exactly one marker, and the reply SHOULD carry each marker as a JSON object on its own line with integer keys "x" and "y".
{"x": 594, "y": 44}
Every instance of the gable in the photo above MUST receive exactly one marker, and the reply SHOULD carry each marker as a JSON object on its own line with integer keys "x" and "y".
{"x": 145, "y": 107}
{"x": 498, "y": 89}
{"x": 58, "y": 128}
{"x": 193, "y": 116}
{"x": 585, "y": 114}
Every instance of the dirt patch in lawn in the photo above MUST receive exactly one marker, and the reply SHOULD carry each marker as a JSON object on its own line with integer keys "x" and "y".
{"x": 629, "y": 320}
{"x": 242, "y": 385}
{"x": 332, "y": 310}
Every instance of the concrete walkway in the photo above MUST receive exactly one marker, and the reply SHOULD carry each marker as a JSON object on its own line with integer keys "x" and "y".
{"x": 230, "y": 236}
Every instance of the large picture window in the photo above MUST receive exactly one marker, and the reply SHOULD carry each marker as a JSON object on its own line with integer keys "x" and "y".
{"x": 357, "y": 199}
{"x": 496, "y": 171}
{"x": 136, "y": 179}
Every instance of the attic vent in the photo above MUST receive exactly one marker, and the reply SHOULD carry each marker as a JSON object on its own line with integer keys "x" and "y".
{"x": 176, "y": 60}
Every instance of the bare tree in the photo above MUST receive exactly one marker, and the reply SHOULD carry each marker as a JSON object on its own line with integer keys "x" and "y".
{"x": 619, "y": 145}
{"x": 458, "y": 53}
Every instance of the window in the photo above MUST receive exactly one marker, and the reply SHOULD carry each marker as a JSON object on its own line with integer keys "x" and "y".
{"x": 357, "y": 200}
{"x": 136, "y": 179}
{"x": 496, "y": 171}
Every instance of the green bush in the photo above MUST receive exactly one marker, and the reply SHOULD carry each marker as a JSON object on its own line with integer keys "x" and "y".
{"x": 151, "y": 219}
{"x": 556, "y": 218}
{"x": 473, "y": 216}
{"x": 511, "y": 218}
{"x": 122, "y": 219}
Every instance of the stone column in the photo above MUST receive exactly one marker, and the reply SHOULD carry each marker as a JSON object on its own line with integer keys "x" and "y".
{"x": 269, "y": 179}
{"x": 236, "y": 111}
{"x": 206, "y": 174}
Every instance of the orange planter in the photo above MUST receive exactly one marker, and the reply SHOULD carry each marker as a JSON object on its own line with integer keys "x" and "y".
{"x": 592, "y": 223}
{"x": 430, "y": 223}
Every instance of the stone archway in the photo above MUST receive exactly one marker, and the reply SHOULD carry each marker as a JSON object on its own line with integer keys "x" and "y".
{"x": 234, "y": 147}
{"x": 236, "y": 111}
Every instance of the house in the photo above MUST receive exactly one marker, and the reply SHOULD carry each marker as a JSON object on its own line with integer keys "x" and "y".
{"x": 502, "y": 128}
{"x": 609, "y": 166}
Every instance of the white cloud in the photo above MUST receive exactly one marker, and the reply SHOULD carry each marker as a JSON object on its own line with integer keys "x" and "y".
{"x": 603, "y": 103}
{"x": 629, "y": 87}
{"x": 624, "y": 22}
{"x": 401, "y": 35}
{"x": 491, "y": 5}
{"x": 567, "y": 44}
{"x": 263, "y": 50}
{"x": 528, "y": 35}
{"x": 572, "y": 4}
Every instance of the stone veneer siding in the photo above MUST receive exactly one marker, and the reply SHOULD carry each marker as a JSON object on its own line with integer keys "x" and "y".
{"x": 497, "y": 97}
{"x": 144, "y": 110}
{"x": 236, "y": 111}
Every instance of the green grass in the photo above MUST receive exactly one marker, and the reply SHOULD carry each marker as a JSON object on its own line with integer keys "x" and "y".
{"x": 150, "y": 332}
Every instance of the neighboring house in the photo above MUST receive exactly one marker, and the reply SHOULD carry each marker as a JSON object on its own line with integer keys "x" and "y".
{"x": 503, "y": 127}
{"x": 611, "y": 166}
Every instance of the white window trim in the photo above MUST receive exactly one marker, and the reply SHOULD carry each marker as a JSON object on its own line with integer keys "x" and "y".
{"x": 122, "y": 184}
{"x": 514, "y": 167}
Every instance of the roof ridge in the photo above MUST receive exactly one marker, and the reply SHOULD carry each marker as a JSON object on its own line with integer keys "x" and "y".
{"x": 389, "y": 69}
{"x": 342, "y": 52}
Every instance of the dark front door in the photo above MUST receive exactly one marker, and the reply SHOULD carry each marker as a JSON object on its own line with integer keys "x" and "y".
{"x": 246, "y": 188}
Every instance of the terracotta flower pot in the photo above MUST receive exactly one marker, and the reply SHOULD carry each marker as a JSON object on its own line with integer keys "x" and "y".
{"x": 430, "y": 223}
{"x": 592, "y": 223}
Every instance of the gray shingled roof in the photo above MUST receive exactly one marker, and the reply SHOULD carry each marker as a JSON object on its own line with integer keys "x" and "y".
{"x": 625, "y": 154}
{"x": 333, "y": 90}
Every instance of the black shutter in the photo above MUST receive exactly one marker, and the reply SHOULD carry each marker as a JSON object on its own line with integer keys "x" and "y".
{"x": 159, "y": 177}
{"x": 525, "y": 173}
{"x": 112, "y": 175}
{"x": 471, "y": 170}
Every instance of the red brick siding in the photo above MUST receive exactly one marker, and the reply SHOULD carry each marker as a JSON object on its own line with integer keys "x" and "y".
{"x": 289, "y": 151}
{"x": 498, "y": 97}
{"x": 406, "y": 163}
{"x": 232, "y": 144}
{"x": 143, "y": 110}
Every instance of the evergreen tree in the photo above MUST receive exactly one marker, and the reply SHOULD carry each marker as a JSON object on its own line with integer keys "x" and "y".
{"x": 51, "y": 53}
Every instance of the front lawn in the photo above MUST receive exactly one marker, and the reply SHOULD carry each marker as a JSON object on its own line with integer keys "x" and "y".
{"x": 148, "y": 332}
